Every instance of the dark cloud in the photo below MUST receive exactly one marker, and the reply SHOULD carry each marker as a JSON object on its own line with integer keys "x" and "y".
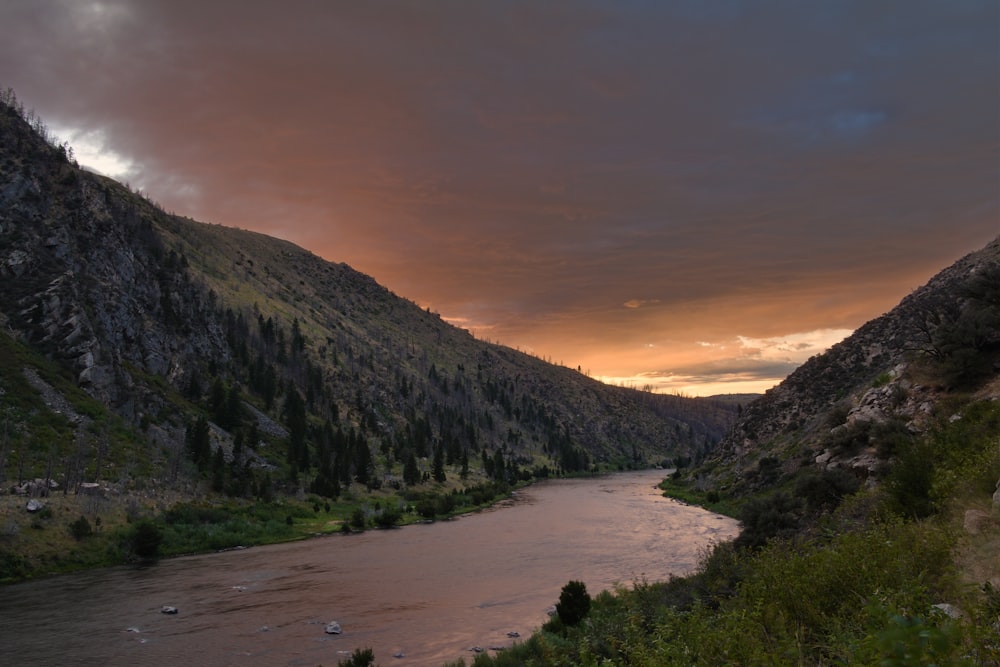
{"x": 604, "y": 183}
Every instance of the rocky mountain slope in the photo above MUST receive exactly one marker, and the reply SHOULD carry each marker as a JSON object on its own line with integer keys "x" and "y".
{"x": 844, "y": 409}
{"x": 148, "y": 348}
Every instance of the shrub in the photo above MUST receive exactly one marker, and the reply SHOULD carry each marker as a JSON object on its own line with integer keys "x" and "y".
{"x": 890, "y": 437}
{"x": 824, "y": 490}
{"x": 767, "y": 518}
{"x": 898, "y": 640}
{"x": 426, "y": 508}
{"x": 360, "y": 658}
{"x": 574, "y": 603}
{"x": 388, "y": 517}
{"x": 848, "y": 439}
{"x": 358, "y": 520}
{"x": 909, "y": 484}
{"x": 144, "y": 540}
{"x": 80, "y": 529}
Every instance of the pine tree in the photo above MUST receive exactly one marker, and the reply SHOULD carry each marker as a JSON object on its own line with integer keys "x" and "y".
{"x": 439, "y": 475}
{"x": 198, "y": 442}
{"x": 218, "y": 471}
{"x": 295, "y": 420}
{"x": 411, "y": 473}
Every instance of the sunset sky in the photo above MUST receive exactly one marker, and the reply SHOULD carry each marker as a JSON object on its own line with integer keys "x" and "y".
{"x": 692, "y": 195}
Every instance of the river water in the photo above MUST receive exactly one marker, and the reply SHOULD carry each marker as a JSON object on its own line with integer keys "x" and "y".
{"x": 419, "y": 595}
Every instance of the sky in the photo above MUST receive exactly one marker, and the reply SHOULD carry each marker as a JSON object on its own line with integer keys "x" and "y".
{"x": 692, "y": 196}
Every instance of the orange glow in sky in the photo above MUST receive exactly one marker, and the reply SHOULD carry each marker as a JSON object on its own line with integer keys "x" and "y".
{"x": 691, "y": 196}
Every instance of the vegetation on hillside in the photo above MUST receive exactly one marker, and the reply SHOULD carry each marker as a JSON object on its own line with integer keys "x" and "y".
{"x": 859, "y": 581}
{"x": 149, "y": 361}
{"x": 865, "y": 486}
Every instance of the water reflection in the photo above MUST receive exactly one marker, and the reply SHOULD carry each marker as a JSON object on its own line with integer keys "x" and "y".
{"x": 428, "y": 593}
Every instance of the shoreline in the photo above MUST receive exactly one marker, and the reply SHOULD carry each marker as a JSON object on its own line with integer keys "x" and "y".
{"x": 50, "y": 550}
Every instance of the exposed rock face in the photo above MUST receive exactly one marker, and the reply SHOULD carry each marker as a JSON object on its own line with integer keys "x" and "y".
{"x": 866, "y": 381}
{"x": 86, "y": 276}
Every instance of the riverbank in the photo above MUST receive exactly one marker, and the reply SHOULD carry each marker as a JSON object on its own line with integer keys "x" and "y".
{"x": 61, "y": 533}
{"x": 708, "y": 500}
{"x": 432, "y": 592}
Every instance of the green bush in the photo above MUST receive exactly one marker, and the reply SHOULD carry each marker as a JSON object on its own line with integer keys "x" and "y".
{"x": 768, "y": 518}
{"x": 895, "y": 639}
{"x": 911, "y": 479}
{"x": 360, "y": 658}
{"x": 823, "y": 490}
{"x": 388, "y": 517}
{"x": 574, "y": 603}
{"x": 427, "y": 508}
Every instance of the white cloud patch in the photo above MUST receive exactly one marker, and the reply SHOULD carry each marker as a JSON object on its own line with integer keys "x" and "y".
{"x": 90, "y": 149}
{"x": 792, "y": 347}
{"x": 746, "y": 365}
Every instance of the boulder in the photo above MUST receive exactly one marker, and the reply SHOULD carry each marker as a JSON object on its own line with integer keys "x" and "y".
{"x": 333, "y": 628}
{"x": 34, "y": 505}
{"x": 996, "y": 496}
{"x": 167, "y": 609}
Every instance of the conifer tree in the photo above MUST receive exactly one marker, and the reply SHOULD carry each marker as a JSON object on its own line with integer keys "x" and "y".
{"x": 411, "y": 473}
{"x": 439, "y": 475}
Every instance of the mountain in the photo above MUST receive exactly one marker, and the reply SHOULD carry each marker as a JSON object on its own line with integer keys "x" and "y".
{"x": 846, "y": 408}
{"x": 866, "y": 487}
{"x": 145, "y": 349}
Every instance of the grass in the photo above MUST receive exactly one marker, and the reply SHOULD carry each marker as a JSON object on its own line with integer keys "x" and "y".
{"x": 39, "y": 544}
{"x": 682, "y": 491}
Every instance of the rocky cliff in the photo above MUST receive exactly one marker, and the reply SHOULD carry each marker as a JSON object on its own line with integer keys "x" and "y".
{"x": 887, "y": 379}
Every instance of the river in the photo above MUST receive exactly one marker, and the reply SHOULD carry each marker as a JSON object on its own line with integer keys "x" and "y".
{"x": 418, "y": 595}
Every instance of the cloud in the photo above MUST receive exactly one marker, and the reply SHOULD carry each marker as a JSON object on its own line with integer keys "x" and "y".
{"x": 91, "y": 151}
{"x": 738, "y": 365}
{"x": 798, "y": 345}
{"x": 639, "y": 303}
{"x": 746, "y": 168}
